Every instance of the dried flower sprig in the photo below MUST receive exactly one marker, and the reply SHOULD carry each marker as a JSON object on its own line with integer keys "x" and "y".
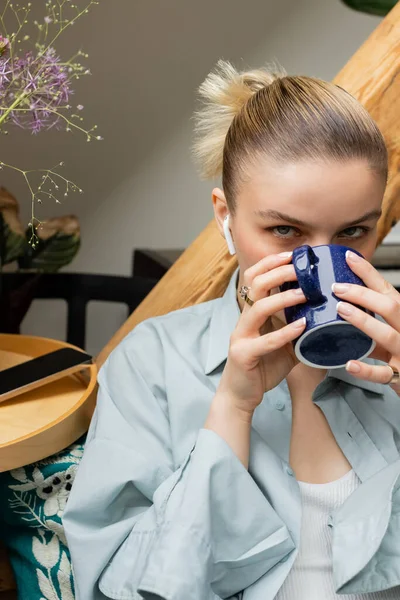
{"x": 36, "y": 86}
{"x": 49, "y": 186}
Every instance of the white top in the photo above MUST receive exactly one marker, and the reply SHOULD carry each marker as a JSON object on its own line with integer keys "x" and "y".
{"x": 311, "y": 575}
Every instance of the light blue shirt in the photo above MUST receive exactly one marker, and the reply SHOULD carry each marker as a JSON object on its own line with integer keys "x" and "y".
{"x": 162, "y": 508}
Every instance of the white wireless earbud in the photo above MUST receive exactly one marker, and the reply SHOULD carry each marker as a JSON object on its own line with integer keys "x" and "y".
{"x": 228, "y": 236}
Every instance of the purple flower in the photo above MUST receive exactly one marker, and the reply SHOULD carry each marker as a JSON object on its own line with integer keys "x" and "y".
{"x": 44, "y": 85}
{"x": 5, "y": 76}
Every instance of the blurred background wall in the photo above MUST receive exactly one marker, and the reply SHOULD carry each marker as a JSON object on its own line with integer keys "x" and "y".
{"x": 147, "y": 60}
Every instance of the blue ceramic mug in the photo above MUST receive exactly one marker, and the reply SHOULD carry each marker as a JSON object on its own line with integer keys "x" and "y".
{"x": 328, "y": 341}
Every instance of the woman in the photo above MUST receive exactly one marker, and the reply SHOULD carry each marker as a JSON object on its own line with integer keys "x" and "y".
{"x": 216, "y": 464}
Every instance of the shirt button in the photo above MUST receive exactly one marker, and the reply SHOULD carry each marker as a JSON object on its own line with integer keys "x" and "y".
{"x": 280, "y": 404}
{"x": 289, "y": 471}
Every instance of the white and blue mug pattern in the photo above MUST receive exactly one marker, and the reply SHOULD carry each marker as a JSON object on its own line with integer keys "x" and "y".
{"x": 328, "y": 341}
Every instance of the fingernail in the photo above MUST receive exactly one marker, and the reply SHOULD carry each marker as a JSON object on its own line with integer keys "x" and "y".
{"x": 299, "y": 323}
{"x": 298, "y": 292}
{"x": 353, "y": 367}
{"x": 340, "y": 288}
{"x": 285, "y": 254}
{"x": 344, "y": 308}
{"x": 352, "y": 256}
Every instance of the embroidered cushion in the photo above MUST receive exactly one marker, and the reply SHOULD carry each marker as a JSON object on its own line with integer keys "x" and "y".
{"x": 32, "y": 502}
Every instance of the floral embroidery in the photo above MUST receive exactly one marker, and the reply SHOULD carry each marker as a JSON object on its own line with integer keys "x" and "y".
{"x": 40, "y": 498}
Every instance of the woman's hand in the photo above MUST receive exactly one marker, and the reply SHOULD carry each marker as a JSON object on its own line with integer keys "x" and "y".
{"x": 382, "y": 298}
{"x": 260, "y": 353}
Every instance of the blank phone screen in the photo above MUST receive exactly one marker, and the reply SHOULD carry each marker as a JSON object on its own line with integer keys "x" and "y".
{"x": 40, "y": 368}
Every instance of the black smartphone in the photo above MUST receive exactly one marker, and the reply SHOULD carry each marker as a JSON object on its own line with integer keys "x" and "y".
{"x": 41, "y": 370}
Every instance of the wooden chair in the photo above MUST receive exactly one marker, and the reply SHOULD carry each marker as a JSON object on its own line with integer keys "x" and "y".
{"x": 203, "y": 270}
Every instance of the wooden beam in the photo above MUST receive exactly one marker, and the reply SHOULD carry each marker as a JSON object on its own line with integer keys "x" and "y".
{"x": 372, "y": 76}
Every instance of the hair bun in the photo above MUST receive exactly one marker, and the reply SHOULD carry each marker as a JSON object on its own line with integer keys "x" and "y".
{"x": 224, "y": 92}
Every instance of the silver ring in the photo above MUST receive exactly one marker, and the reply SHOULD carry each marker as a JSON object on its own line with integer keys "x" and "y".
{"x": 395, "y": 376}
{"x": 244, "y": 290}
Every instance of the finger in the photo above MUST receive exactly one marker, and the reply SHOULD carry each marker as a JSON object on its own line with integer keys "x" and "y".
{"x": 382, "y": 333}
{"x": 277, "y": 339}
{"x": 264, "y": 283}
{"x": 265, "y": 264}
{"x": 252, "y": 321}
{"x": 370, "y": 276}
{"x": 376, "y": 374}
{"x": 268, "y": 263}
{"x": 388, "y": 306}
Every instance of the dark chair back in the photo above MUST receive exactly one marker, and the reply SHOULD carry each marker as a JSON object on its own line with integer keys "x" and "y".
{"x": 77, "y": 289}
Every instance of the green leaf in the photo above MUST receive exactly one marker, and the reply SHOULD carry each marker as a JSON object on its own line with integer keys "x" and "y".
{"x": 12, "y": 244}
{"x": 59, "y": 242}
{"x": 51, "y": 255}
{"x": 372, "y": 7}
{"x": 12, "y": 239}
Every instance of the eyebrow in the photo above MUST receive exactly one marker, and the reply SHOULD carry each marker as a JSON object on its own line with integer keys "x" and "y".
{"x": 274, "y": 214}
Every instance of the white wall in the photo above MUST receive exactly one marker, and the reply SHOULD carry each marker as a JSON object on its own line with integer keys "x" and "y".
{"x": 147, "y": 59}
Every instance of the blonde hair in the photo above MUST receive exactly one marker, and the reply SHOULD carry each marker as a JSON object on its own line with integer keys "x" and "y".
{"x": 287, "y": 118}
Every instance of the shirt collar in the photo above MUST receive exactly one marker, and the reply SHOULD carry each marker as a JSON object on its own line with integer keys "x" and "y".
{"x": 225, "y": 315}
{"x": 224, "y": 318}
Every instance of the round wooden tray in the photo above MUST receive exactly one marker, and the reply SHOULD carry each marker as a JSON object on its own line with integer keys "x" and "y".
{"x": 44, "y": 421}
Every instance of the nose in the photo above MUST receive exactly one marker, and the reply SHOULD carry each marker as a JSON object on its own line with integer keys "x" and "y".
{"x": 319, "y": 241}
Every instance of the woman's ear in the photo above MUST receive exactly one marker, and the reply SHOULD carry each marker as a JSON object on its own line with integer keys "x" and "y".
{"x": 221, "y": 212}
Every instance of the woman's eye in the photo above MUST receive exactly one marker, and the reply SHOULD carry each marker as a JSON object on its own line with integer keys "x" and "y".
{"x": 282, "y": 234}
{"x": 284, "y": 231}
{"x": 363, "y": 231}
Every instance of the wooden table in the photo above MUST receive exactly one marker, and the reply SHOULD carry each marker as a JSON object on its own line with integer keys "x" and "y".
{"x": 41, "y": 422}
